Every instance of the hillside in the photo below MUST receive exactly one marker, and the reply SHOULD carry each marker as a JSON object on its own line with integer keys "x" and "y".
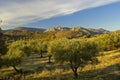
{"x": 38, "y": 69}
{"x": 23, "y": 29}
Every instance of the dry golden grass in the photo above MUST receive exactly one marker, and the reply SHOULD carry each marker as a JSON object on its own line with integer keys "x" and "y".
{"x": 107, "y": 69}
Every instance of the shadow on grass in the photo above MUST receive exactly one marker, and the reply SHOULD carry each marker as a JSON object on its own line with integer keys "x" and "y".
{"x": 117, "y": 56}
{"x": 108, "y": 73}
{"x": 117, "y": 51}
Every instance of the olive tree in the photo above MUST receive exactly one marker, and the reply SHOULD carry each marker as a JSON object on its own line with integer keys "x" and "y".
{"x": 16, "y": 52}
{"x": 77, "y": 53}
{"x": 38, "y": 46}
{"x": 42, "y": 47}
{"x": 49, "y": 54}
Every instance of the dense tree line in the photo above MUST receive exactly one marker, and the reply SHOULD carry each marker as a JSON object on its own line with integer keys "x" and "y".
{"x": 26, "y": 35}
{"x": 77, "y": 52}
{"x": 108, "y": 42}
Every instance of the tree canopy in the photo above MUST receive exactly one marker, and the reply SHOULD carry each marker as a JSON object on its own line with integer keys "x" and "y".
{"x": 77, "y": 52}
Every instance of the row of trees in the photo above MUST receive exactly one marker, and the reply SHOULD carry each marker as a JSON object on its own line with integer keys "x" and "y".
{"x": 77, "y": 52}
{"x": 44, "y": 35}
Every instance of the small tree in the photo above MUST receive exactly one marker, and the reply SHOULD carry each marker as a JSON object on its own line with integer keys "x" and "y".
{"x": 49, "y": 54}
{"x": 17, "y": 51}
{"x": 77, "y": 52}
{"x": 38, "y": 46}
{"x": 42, "y": 47}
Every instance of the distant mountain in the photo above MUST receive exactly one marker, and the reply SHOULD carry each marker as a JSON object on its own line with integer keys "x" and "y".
{"x": 20, "y": 29}
{"x": 117, "y": 30}
{"x": 80, "y": 30}
{"x": 56, "y": 28}
{"x": 97, "y": 31}
{"x": 59, "y": 28}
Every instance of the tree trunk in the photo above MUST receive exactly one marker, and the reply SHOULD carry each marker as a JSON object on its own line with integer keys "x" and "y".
{"x": 74, "y": 69}
{"x": 75, "y": 73}
{"x": 16, "y": 69}
{"x": 41, "y": 54}
{"x": 49, "y": 59}
{"x": 1, "y": 62}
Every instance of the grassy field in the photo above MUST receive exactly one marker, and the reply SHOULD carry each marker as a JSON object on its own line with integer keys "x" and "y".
{"x": 37, "y": 68}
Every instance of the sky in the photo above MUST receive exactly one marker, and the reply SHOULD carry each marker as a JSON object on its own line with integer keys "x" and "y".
{"x": 66, "y": 13}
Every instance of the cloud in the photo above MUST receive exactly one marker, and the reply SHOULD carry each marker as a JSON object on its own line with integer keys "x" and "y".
{"x": 20, "y": 12}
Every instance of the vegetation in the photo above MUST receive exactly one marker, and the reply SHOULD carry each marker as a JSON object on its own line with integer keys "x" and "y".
{"x": 56, "y": 55}
{"x": 38, "y": 46}
{"x": 17, "y": 51}
{"x": 108, "y": 42}
{"x": 3, "y": 47}
{"x": 77, "y": 53}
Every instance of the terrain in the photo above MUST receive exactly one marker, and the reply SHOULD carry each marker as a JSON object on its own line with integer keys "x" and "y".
{"x": 26, "y": 54}
{"x": 39, "y": 69}
{"x": 56, "y": 32}
{"x": 57, "y": 29}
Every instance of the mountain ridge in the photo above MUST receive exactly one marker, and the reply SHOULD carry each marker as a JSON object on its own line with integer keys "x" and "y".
{"x": 59, "y": 28}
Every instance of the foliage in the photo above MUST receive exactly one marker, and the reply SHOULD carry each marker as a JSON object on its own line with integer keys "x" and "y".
{"x": 77, "y": 52}
{"x": 3, "y": 47}
{"x": 2, "y": 44}
{"x": 38, "y": 46}
{"x": 108, "y": 41}
{"x": 17, "y": 51}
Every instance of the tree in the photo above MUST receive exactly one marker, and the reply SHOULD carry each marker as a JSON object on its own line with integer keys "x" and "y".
{"x": 77, "y": 53}
{"x": 42, "y": 47}
{"x": 3, "y": 47}
{"x": 17, "y": 51}
{"x": 49, "y": 54}
{"x": 38, "y": 46}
